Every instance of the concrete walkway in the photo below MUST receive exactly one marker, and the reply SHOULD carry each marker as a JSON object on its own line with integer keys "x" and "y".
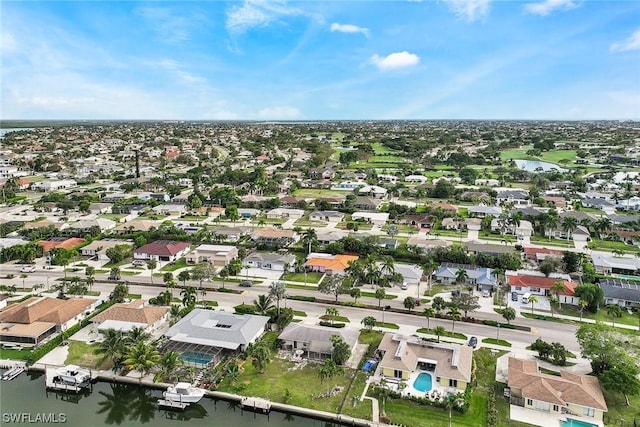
{"x": 577, "y": 319}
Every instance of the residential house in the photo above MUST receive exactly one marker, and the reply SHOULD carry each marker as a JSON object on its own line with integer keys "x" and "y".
{"x": 609, "y": 264}
{"x": 625, "y": 293}
{"x": 538, "y": 255}
{"x": 170, "y": 209}
{"x": 327, "y": 263}
{"x": 285, "y": 213}
{"x": 379, "y": 240}
{"x": 29, "y": 323}
{"x": 274, "y": 237}
{"x": 602, "y": 204}
{"x": 162, "y": 250}
{"x": 488, "y": 182}
{"x": 229, "y": 234}
{"x": 518, "y": 198}
{"x": 476, "y": 196}
{"x": 376, "y": 218}
{"x": 61, "y": 242}
{"x": 477, "y": 248}
{"x": 290, "y": 201}
{"x": 419, "y": 220}
{"x": 425, "y": 244}
{"x": 334, "y": 202}
{"x": 135, "y": 225}
{"x": 536, "y": 285}
{"x": 411, "y": 274}
{"x": 482, "y": 278}
{"x": 214, "y": 334}
{"x": 328, "y": 216}
{"x": 557, "y": 201}
{"x": 349, "y": 185}
{"x": 523, "y": 229}
{"x": 248, "y": 212}
{"x": 100, "y": 208}
{"x": 216, "y": 255}
{"x": 404, "y": 358}
{"x": 567, "y": 395}
{"x": 321, "y": 173}
{"x": 88, "y": 225}
{"x": 135, "y": 314}
{"x": 329, "y": 236}
{"x": 420, "y": 179}
{"x": 98, "y": 248}
{"x": 367, "y": 203}
{"x": 373, "y": 191}
{"x": 53, "y": 185}
{"x": 480, "y": 211}
{"x": 270, "y": 261}
{"x": 314, "y": 342}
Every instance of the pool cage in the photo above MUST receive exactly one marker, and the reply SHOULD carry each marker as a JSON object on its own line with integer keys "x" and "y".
{"x": 196, "y": 355}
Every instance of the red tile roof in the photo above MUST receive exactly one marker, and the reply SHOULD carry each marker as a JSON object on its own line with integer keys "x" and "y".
{"x": 542, "y": 282}
{"x": 162, "y": 248}
{"x": 73, "y": 242}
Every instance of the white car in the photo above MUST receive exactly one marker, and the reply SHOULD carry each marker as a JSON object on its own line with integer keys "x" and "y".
{"x": 28, "y": 269}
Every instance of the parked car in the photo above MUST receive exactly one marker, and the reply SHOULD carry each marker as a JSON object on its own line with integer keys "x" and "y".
{"x": 514, "y": 296}
{"x": 246, "y": 284}
{"x": 404, "y": 286}
{"x": 473, "y": 342}
{"x": 139, "y": 262}
{"x": 28, "y": 269}
{"x": 486, "y": 294}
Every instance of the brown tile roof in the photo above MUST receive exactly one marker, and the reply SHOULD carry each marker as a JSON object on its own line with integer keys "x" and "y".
{"x": 163, "y": 248}
{"x": 44, "y": 309}
{"x": 70, "y": 243}
{"x": 273, "y": 233}
{"x": 401, "y": 352}
{"x": 583, "y": 390}
{"x": 134, "y": 312}
{"x": 33, "y": 330}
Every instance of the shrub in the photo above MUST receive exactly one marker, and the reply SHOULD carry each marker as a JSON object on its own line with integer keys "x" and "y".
{"x": 302, "y": 298}
{"x": 332, "y": 325}
{"x": 245, "y": 309}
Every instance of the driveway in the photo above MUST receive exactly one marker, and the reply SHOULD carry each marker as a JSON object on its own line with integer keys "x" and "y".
{"x": 260, "y": 273}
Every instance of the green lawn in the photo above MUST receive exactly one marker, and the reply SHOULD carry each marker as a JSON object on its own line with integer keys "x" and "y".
{"x": 342, "y": 319}
{"x": 449, "y": 233}
{"x": 114, "y": 217}
{"x": 312, "y": 277}
{"x": 308, "y": 288}
{"x": 387, "y": 325}
{"x": 10, "y": 353}
{"x": 497, "y": 342}
{"x": 180, "y": 263}
{"x": 436, "y": 289}
{"x": 299, "y": 313}
{"x": 445, "y": 334}
{"x": 609, "y": 245}
{"x": 373, "y": 295}
{"x": 82, "y": 354}
{"x": 315, "y": 193}
{"x": 626, "y": 319}
{"x": 371, "y": 337}
{"x": 556, "y": 156}
{"x": 553, "y": 241}
{"x": 619, "y": 412}
{"x": 301, "y": 383}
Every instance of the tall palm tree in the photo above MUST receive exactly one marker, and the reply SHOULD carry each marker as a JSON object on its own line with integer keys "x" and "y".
{"x": 260, "y": 356}
{"x": 387, "y": 268}
{"x": 168, "y": 364}
{"x": 582, "y": 304}
{"x": 355, "y": 269}
{"x": 189, "y": 296}
{"x": 439, "y": 330}
{"x": 451, "y": 401}
{"x": 614, "y": 311}
{"x": 263, "y": 304}
{"x": 532, "y": 300}
{"x": 137, "y": 334}
{"x": 142, "y": 358}
{"x": 429, "y": 312}
{"x": 552, "y": 224}
{"x": 461, "y": 276}
{"x": 455, "y": 314}
{"x": 111, "y": 347}
{"x": 151, "y": 265}
{"x": 332, "y": 312}
{"x": 556, "y": 288}
{"x": 278, "y": 291}
{"x": 602, "y": 226}
{"x": 569, "y": 225}
{"x": 90, "y": 273}
{"x": 309, "y": 239}
{"x": 184, "y": 275}
{"x": 430, "y": 267}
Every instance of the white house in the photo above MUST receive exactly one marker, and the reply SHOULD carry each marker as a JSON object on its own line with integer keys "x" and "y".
{"x": 327, "y": 216}
{"x": 285, "y": 213}
{"x": 375, "y": 218}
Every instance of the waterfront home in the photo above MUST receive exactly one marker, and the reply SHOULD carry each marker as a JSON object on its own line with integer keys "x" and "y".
{"x": 269, "y": 261}
{"x": 162, "y": 250}
{"x": 125, "y": 316}
{"x": 567, "y": 396}
{"x": 327, "y": 263}
{"x": 625, "y": 293}
{"x": 482, "y": 278}
{"x": 609, "y": 264}
{"x": 315, "y": 341}
{"x": 404, "y": 358}
{"x": 32, "y": 321}
{"x": 536, "y": 285}
{"x": 216, "y": 255}
{"x": 205, "y": 336}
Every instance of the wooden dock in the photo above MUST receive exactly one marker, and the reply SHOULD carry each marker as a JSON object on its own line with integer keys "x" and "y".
{"x": 52, "y": 382}
{"x": 256, "y": 404}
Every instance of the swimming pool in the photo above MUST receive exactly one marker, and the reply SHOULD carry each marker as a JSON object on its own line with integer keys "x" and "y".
{"x": 570, "y": 422}
{"x": 196, "y": 358}
{"x": 423, "y": 382}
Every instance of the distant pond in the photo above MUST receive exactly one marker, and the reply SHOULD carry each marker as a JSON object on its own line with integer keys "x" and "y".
{"x": 537, "y": 166}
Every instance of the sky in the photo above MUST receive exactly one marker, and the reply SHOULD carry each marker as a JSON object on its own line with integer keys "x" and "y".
{"x": 320, "y": 60}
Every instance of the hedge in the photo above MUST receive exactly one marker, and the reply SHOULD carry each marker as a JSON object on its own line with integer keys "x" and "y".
{"x": 245, "y": 309}
{"x": 302, "y": 298}
{"x": 332, "y": 325}
{"x": 496, "y": 323}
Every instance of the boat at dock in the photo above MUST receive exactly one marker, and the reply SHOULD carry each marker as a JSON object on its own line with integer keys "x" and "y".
{"x": 73, "y": 374}
{"x": 13, "y": 372}
{"x": 183, "y": 393}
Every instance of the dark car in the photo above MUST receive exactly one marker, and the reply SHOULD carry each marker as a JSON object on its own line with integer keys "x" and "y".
{"x": 473, "y": 342}
{"x": 514, "y": 296}
{"x": 245, "y": 284}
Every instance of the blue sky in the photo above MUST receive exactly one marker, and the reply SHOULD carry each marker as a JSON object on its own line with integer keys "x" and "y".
{"x": 311, "y": 60}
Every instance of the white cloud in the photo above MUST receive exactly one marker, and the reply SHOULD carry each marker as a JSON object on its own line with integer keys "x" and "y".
{"x": 168, "y": 23}
{"x": 547, "y": 6}
{"x": 395, "y": 60}
{"x": 257, "y": 13}
{"x": 469, "y": 9}
{"x": 7, "y": 42}
{"x": 282, "y": 112}
{"x": 184, "y": 77}
{"x": 349, "y": 28}
{"x": 631, "y": 43}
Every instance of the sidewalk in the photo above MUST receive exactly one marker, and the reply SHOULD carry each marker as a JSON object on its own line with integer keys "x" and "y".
{"x": 577, "y": 319}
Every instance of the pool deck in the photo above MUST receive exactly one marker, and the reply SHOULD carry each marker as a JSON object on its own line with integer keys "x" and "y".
{"x": 545, "y": 419}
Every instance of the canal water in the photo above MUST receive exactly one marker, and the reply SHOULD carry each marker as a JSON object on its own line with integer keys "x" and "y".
{"x": 25, "y": 400}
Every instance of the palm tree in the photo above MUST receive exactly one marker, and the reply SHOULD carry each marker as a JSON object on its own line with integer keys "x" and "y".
{"x": 582, "y": 304}
{"x": 455, "y": 314}
{"x": 355, "y": 269}
{"x": 556, "y": 288}
{"x": 614, "y": 311}
{"x": 137, "y": 334}
{"x": 168, "y": 364}
{"x": 223, "y": 274}
{"x": 533, "y": 299}
{"x": 189, "y": 296}
{"x": 602, "y": 226}
{"x": 387, "y": 268}
{"x": 451, "y": 401}
{"x": 261, "y": 355}
{"x": 552, "y": 224}
{"x": 278, "y": 290}
{"x": 151, "y": 265}
{"x": 142, "y": 358}
{"x": 115, "y": 273}
{"x": 90, "y": 272}
{"x": 332, "y": 312}
{"x": 167, "y": 277}
{"x": 439, "y": 330}
{"x": 429, "y": 268}
{"x": 184, "y": 275}
{"x": 428, "y": 313}
{"x": 111, "y": 347}
{"x": 569, "y": 224}
{"x": 461, "y": 276}
{"x": 263, "y": 304}
{"x": 309, "y": 239}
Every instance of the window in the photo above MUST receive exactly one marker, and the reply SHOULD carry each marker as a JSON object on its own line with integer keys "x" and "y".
{"x": 556, "y": 408}
{"x": 397, "y": 374}
{"x": 529, "y": 402}
{"x": 588, "y": 412}
{"x": 453, "y": 383}
{"x": 518, "y": 288}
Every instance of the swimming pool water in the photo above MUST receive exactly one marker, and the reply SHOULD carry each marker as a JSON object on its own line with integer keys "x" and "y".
{"x": 570, "y": 422}
{"x": 196, "y": 358}
{"x": 423, "y": 382}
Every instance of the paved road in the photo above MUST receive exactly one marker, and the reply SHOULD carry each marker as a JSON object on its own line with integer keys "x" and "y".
{"x": 548, "y": 331}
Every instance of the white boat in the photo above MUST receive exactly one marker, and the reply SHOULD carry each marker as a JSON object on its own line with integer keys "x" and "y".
{"x": 12, "y": 373}
{"x": 184, "y": 392}
{"x": 73, "y": 374}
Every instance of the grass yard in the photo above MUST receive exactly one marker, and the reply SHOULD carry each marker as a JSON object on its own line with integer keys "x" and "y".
{"x": 181, "y": 263}
{"x": 496, "y": 342}
{"x": 552, "y": 242}
{"x": 436, "y": 289}
{"x": 619, "y": 413}
{"x": 315, "y": 193}
{"x": 609, "y": 245}
{"x": 11, "y": 353}
{"x": 299, "y": 313}
{"x": 307, "y": 223}
{"x": 342, "y": 319}
{"x": 559, "y": 156}
{"x": 312, "y": 277}
{"x": 387, "y": 325}
{"x": 449, "y": 233}
{"x": 307, "y": 288}
{"x": 82, "y": 354}
{"x": 626, "y": 319}
{"x": 371, "y": 337}
{"x": 517, "y": 153}
{"x": 373, "y": 295}
{"x": 280, "y": 377}
{"x": 379, "y": 149}
{"x": 445, "y": 334}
